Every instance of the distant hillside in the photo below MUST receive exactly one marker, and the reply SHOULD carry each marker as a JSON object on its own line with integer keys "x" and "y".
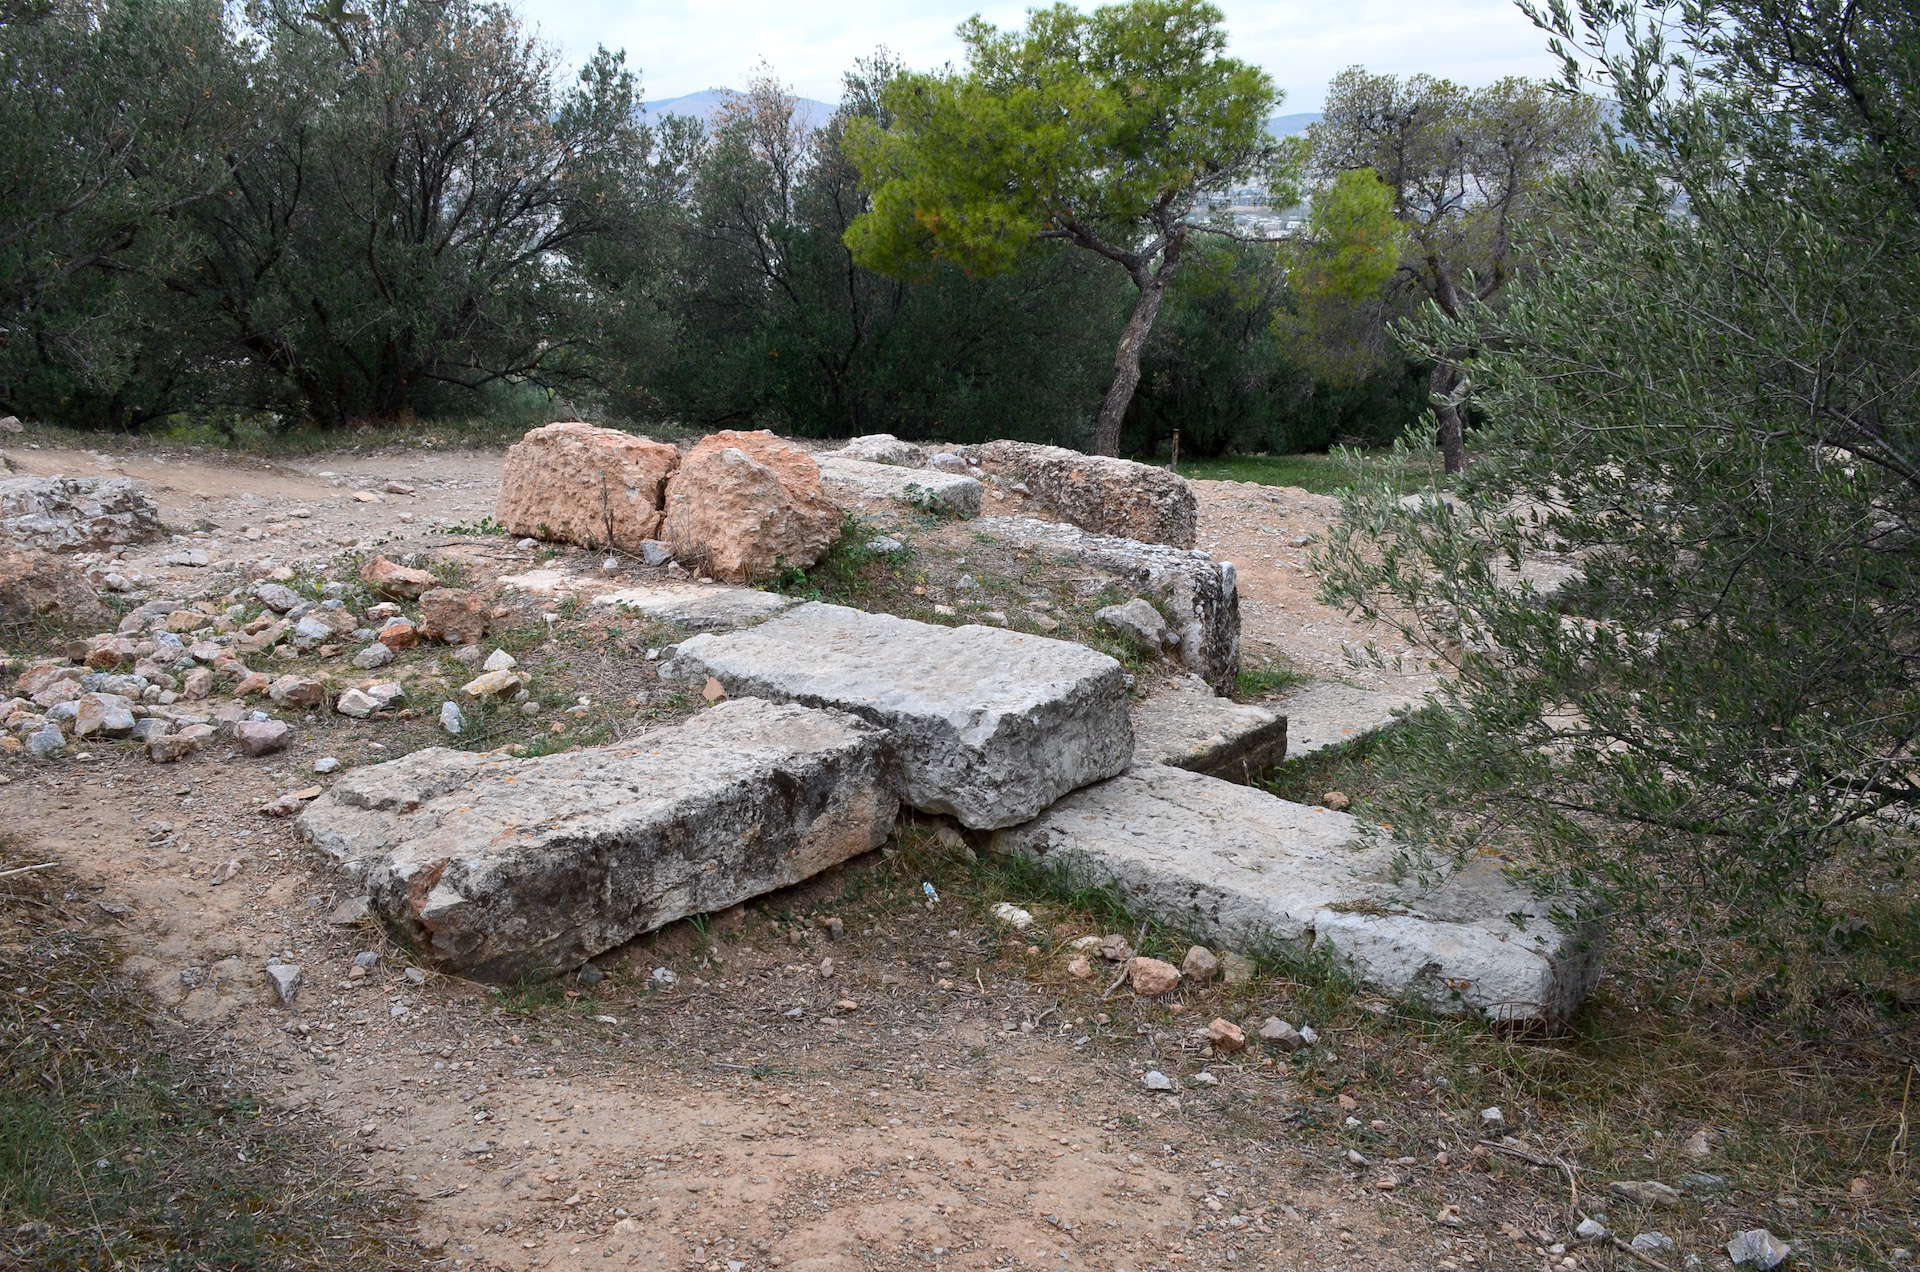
{"x": 1292, "y": 125}
{"x": 706, "y": 104}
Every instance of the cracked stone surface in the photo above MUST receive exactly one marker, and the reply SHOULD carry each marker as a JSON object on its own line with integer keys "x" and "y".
{"x": 992, "y": 725}
{"x": 502, "y": 868}
{"x": 1248, "y": 869}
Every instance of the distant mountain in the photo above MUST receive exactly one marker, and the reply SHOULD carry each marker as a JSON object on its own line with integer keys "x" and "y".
{"x": 706, "y": 104}
{"x": 1292, "y": 125}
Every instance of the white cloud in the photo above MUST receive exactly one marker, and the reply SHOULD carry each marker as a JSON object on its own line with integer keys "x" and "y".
{"x": 683, "y": 46}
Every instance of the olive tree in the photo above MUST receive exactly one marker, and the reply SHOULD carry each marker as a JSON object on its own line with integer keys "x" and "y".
{"x": 1705, "y": 405}
{"x": 1466, "y": 167}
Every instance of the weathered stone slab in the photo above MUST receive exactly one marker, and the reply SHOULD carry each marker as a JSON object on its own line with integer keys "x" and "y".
{"x": 698, "y": 607}
{"x": 1328, "y": 713}
{"x": 501, "y": 868}
{"x": 883, "y": 448}
{"x": 1185, "y": 724}
{"x": 1245, "y": 868}
{"x": 1202, "y": 595}
{"x": 992, "y": 725}
{"x": 55, "y": 514}
{"x": 1099, "y": 493}
{"x": 948, "y": 494}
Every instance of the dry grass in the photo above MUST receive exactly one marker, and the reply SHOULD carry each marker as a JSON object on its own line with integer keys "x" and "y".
{"x": 124, "y": 1144}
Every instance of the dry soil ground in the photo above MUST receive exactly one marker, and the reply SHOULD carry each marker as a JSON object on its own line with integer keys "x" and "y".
{"x": 845, "y": 1076}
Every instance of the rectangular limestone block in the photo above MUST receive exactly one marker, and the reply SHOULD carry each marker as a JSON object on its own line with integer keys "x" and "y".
{"x": 1187, "y": 725}
{"x": 947, "y": 494}
{"x": 502, "y": 868}
{"x": 992, "y": 725}
{"x": 1238, "y": 865}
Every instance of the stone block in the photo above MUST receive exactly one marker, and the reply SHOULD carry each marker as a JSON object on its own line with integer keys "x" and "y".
{"x": 1099, "y": 493}
{"x": 1186, "y": 725}
{"x": 946, "y": 494}
{"x": 502, "y": 868}
{"x": 597, "y": 487}
{"x": 992, "y": 725}
{"x": 1250, "y": 870}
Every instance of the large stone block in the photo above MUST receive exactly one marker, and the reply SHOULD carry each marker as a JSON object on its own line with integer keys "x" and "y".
{"x": 948, "y": 494}
{"x": 1200, "y": 595}
{"x": 1099, "y": 493}
{"x": 85, "y": 514}
{"x": 992, "y": 725}
{"x": 747, "y": 505}
{"x": 883, "y": 448}
{"x": 502, "y": 868}
{"x": 597, "y": 487}
{"x": 1238, "y": 865}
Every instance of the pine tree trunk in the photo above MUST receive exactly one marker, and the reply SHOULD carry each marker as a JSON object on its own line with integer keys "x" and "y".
{"x": 1126, "y": 363}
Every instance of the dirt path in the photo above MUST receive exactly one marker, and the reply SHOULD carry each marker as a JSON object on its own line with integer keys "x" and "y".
{"x": 922, "y": 1092}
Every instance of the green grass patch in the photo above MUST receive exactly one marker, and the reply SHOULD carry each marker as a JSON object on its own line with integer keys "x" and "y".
{"x": 1327, "y": 474}
{"x": 1256, "y": 682}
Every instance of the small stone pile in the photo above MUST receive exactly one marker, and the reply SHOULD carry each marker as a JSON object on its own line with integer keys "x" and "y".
{"x": 739, "y": 506}
{"x": 177, "y": 676}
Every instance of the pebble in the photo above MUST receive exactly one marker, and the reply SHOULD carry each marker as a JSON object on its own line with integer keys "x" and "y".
{"x": 326, "y": 764}
{"x": 1758, "y": 1248}
{"x": 1013, "y": 916}
{"x": 664, "y": 977}
{"x": 1157, "y": 1081}
{"x": 1590, "y": 1230}
{"x": 1654, "y": 1243}
{"x": 452, "y": 719}
{"x": 285, "y": 979}
{"x": 1281, "y": 1034}
{"x": 416, "y": 975}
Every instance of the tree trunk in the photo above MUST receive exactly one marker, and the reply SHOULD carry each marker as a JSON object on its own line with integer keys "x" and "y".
{"x": 1126, "y": 362}
{"x": 1450, "y": 436}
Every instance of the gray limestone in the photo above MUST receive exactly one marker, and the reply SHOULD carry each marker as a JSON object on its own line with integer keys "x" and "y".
{"x": 500, "y": 868}
{"x": 698, "y": 607}
{"x": 1200, "y": 595}
{"x": 882, "y": 448}
{"x": 992, "y": 725}
{"x": 1247, "y": 869}
{"x": 54, "y": 514}
{"x": 948, "y": 494}
{"x": 1185, "y": 725}
{"x": 1327, "y": 713}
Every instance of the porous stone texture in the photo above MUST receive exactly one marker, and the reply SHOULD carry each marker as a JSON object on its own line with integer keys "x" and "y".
{"x": 82, "y": 514}
{"x": 1185, "y": 724}
{"x": 502, "y": 868}
{"x": 992, "y": 725}
{"x": 452, "y": 614}
{"x": 1252, "y": 870}
{"x": 747, "y": 505}
{"x": 698, "y": 608}
{"x": 1099, "y": 493}
{"x": 36, "y": 586}
{"x": 883, "y": 448}
{"x": 1201, "y": 595}
{"x": 946, "y": 494}
{"x": 390, "y": 579}
{"x": 597, "y": 487}
{"x": 1327, "y": 713}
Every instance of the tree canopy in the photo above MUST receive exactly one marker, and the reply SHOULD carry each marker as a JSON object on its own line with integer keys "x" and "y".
{"x": 1465, "y": 167}
{"x": 1106, "y": 130}
{"x": 1704, "y": 405}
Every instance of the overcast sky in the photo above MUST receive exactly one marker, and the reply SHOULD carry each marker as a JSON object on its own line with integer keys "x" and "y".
{"x": 683, "y": 46}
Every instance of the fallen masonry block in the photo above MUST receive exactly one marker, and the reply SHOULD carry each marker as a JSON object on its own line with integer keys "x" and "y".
{"x": 1098, "y": 493}
{"x": 947, "y": 494}
{"x": 1200, "y": 596}
{"x": 1247, "y": 869}
{"x": 1186, "y": 725}
{"x": 597, "y": 487}
{"x": 992, "y": 725}
{"x": 501, "y": 868}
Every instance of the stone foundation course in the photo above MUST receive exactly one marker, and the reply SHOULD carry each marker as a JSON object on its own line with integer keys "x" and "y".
{"x": 502, "y": 869}
{"x": 992, "y": 725}
{"x": 1240, "y": 866}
